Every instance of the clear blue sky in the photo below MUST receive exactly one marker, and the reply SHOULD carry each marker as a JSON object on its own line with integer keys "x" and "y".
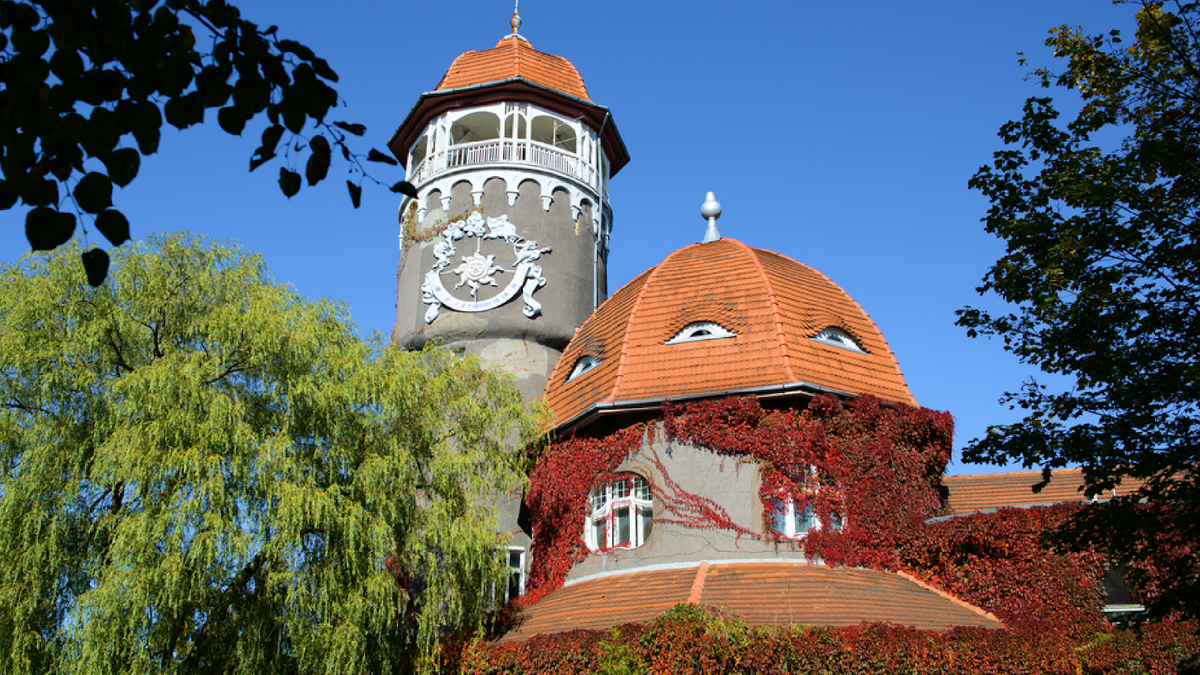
{"x": 840, "y": 134}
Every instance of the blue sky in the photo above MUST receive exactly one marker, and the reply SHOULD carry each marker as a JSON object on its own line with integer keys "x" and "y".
{"x": 840, "y": 134}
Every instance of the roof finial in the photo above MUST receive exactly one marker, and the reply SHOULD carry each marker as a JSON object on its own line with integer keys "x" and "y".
{"x": 711, "y": 210}
{"x": 516, "y": 20}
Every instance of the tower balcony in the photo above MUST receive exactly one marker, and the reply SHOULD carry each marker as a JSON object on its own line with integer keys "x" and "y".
{"x": 511, "y": 153}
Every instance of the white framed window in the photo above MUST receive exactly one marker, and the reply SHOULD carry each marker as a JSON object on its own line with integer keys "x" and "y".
{"x": 583, "y": 365}
{"x": 838, "y": 338}
{"x": 622, "y": 514}
{"x": 701, "y": 330}
{"x": 795, "y": 518}
{"x": 515, "y": 561}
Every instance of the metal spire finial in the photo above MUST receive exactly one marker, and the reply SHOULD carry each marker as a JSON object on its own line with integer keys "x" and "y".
{"x": 516, "y": 18}
{"x": 711, "y": 210}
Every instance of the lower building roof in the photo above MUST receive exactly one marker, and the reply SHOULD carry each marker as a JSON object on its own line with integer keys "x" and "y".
{"x": 761, "y": 593}
{"x": 988, "y": 491}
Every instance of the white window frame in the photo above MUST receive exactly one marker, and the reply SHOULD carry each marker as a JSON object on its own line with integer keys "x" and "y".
{"x": 785, "y": 508}
{"x": 629, "y": 493}
{"x": 517, "y": 571}
{"x": 701, "y": 330}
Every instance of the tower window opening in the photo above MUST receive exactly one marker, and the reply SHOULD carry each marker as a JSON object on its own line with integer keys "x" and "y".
{"x": 622, "y": 514}
{"x": 478, "y": 126}
{"x": 553, "y": 132}
{"x": 701, "y": 330}
{"x": 418, "y": 153}
{"x": 838, "y": 338}
{"x": 795, "y": 517}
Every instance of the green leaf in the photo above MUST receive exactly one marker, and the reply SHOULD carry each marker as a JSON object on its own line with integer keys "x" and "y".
{"x": 39, "y": 192}
{"x": 317, "y": 166}
{"x": 8, "y": 196}
{"x": 405, "y": 188}
{"x": 319, "y": 145}
{"x": 231, "y": 120}
{"x": 322, "y": 68}
{"x": 122, "y": 165}
{"x": 147, "y": 124}
{"x": 289, "y": 182}
{"x": 184, "y": 111}
{"x": 355, "y": 129}
{"x": 355, "y": 193}
{"x": 95, "y": 265}
{"x": 93, "y": 193}
{"x": 47, "y": 229}
{"x": 296, "y": 48}
{"x": 377, "y": 156}
{"x": 113, "y": 225}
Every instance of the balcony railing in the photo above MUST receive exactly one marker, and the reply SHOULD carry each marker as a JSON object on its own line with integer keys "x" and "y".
{"x": 508, "y": 152}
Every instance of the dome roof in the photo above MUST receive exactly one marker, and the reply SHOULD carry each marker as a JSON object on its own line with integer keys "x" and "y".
{"x": 512, "y": 58}
{"x": 779, "y": 324}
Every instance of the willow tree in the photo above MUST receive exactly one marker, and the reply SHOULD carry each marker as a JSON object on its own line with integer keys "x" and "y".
{"x": 205, "y": 472}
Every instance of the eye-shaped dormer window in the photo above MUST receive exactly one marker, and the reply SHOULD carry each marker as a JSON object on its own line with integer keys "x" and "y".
{"x": 838, "y": 338}
{"x": 583, "y": 365}
{"x": 701, "y": 330}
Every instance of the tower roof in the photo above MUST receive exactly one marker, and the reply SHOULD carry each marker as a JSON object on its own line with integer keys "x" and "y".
{"x": 514, "y": 58}
{"x": 722, "y": 318}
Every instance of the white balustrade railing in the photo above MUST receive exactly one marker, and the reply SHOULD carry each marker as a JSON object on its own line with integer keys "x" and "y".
{"x": 508, "y": 151}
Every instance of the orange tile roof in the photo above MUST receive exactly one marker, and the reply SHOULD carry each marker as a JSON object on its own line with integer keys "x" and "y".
{"x": 514, "y": 57}
{"x": 762, "y": 593}
{"x": 983, "y": 491}
{"x": 774, "y": 304}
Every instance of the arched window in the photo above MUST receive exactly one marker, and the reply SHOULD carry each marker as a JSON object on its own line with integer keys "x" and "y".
{"x": 701, "y": 330}
{"x": 622, "y": 514}
{"x": 553, "y": 132}
{"x": 838, "y": 338}
{"x": 583, "y": 365}
{"x": 478, "y": 126}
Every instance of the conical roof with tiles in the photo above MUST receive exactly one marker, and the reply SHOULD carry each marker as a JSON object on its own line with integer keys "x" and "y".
{"x": 514, "y": 58}
{"x": 718, "y": 319}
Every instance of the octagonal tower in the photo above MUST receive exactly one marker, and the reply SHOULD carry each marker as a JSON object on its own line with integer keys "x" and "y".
{"x": 504, "y": 249}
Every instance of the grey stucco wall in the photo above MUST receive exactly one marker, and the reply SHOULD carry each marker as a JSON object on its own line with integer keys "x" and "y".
{"x": 731, "y": 484}
{"x": 572, "y": 275}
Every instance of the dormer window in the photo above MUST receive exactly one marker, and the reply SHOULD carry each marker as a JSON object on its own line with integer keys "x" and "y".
{"x": 838, "y": 338}
{"x": 703, "y": 330}
{"x": 583, "y": 365}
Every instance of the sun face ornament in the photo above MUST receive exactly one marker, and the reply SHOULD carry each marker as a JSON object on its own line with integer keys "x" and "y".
{"x": 479, "y": 269}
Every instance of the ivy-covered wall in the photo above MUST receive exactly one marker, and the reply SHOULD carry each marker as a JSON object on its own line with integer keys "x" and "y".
{"x": 876, "y": 465}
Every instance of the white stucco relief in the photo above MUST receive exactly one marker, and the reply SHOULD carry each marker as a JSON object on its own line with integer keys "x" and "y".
{"x": 478, "y": 269}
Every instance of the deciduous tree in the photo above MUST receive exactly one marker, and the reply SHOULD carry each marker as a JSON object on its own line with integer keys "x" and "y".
{"x": 87, "y": 84}
{"x": 1099, "y": 216}
{"x": 204, "y": 472}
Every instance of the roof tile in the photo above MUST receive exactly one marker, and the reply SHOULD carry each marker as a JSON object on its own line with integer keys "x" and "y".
{"x": 772, "y": 593}
{"x": 514, "y": 57}
{"x": 775, "y": 306}
{"x": 979, "y": 492}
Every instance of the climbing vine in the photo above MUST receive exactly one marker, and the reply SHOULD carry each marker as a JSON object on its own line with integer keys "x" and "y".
{"x": 873, "y": 466}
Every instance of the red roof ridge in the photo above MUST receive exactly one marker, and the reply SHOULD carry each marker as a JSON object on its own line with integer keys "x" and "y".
{"x": 952, "y": 598}
{"x": 629, "y": 328}
{"x": 762, "y": 274}
{"x": 698, "y": 584}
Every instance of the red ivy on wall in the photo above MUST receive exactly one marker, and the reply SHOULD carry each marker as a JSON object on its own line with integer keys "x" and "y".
{"x": 875, "y": 465}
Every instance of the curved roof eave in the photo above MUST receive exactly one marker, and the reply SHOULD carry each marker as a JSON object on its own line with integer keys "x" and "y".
{"x": 431, "y": 102}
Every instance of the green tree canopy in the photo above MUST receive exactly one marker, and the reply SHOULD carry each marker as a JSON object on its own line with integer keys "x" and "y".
{"x": 87, "y": 84}
{"x": 204, "y": 472}
{"x": 1103, "y": 265}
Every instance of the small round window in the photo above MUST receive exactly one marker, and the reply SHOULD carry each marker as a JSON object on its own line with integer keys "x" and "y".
{"x": 838, "y": 338}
